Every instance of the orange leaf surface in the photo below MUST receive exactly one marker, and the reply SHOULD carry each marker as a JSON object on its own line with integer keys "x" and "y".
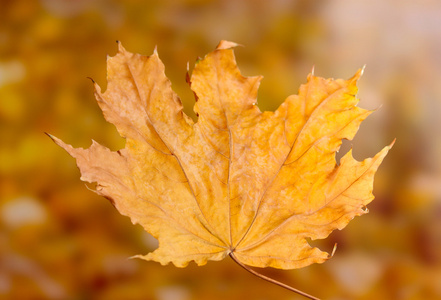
{"x": 238, "y": 180}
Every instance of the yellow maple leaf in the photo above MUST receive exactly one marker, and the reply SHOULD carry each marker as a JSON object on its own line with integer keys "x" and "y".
{"x": 237, "y": 182}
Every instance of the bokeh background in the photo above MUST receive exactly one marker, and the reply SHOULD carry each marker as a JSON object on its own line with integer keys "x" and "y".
{"x": 58, "y": 240}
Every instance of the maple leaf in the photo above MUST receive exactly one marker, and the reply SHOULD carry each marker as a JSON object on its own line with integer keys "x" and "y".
{"x": 238, "y": 181}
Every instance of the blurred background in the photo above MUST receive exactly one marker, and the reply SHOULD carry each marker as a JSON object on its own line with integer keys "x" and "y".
{"x": 58, "y": 240}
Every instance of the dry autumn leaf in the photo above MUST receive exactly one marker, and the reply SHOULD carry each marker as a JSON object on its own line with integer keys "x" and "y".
{"x": 238, "y": 181}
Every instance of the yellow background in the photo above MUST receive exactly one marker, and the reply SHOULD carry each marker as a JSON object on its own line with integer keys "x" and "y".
{"x": 58, "y": 240}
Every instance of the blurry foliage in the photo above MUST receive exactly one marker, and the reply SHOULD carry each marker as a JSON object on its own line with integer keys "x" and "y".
{"x": 60, "y": 241}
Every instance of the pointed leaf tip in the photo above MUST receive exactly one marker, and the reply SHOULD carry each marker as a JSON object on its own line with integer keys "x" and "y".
{"x": 226, "y": 45}
{"x": 358, "y": 74}
{"x": 121, "y": 49}
{"x": 55, "y": 140}
{"x": 49, "y": 135}
{"x": 59, "y": 142}
{"x": 392, "y": 144}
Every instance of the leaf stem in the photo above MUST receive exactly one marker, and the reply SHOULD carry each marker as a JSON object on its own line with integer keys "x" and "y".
{"x": 271, "y": 280}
